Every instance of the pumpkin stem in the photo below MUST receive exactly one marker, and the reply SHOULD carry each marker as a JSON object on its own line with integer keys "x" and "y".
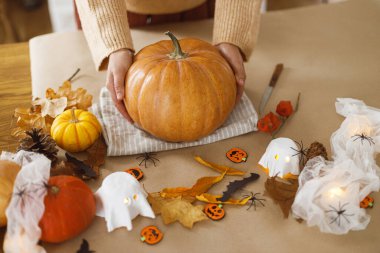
{"x": 73, "y": 118}
{"x": 177, "y": 53}
{"x": 54, "y": 189}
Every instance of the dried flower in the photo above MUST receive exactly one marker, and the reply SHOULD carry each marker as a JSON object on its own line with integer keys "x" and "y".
{"x": 284, "y": 109}
{"x": 269, "y": 123}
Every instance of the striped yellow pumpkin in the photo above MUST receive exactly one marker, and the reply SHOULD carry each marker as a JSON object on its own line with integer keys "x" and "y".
{"x": 75, "y": 130}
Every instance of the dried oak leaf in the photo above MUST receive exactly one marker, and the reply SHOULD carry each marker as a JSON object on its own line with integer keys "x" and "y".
{"x": 182, "y": 211}
{"x": 78, "y": 98}
{"x": 157, "y": 202}
{"x": 208, "y": 198}
{"x": 96, "y": 154}
{"x": 201, "y": 186}
{"x": 52, "y": 107}
{"x": 282, "y": 192}
{"x": 81, "y": 169}
{"x": 28, "y": 118}
{"x": 220, "y": 168}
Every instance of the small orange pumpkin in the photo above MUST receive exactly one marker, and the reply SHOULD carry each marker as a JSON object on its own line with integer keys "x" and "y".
{"x": 367, "y": 202}
{"x": 237, "y": 155}
{"x": 180, "y": 95}
{"x": 214, "y": 211}
{"x": 69, "y": 209}
{"x": 151, "y": 235}
{"x": 136, "y": 172}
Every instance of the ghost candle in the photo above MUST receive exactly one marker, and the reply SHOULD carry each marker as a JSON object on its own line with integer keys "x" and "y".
{"x": 281, "y": 158}
{"x": 120, "y": 199}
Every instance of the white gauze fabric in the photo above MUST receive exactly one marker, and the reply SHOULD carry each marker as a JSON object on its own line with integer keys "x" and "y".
{"x": 329, "y": 193}
{"x": 27, "y": 204}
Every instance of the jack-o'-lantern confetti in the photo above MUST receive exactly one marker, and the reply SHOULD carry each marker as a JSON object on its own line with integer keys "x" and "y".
{"x": 214, "y": 211}
{"x": 136, "y": 173}
{"x": 367, "y": 202}
{"x": 151, "y": 235}
{"x": 237, "y": 155}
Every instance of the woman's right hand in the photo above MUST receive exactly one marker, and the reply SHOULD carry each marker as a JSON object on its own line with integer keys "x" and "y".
{"x": 118, "y": 65}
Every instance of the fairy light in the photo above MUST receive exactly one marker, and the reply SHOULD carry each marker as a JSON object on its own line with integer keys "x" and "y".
{"x": 287, "y": 159}
{"x": 335, "y": 192}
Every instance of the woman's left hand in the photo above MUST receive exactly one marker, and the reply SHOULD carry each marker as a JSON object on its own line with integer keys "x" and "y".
{"x": 233, "y": 56}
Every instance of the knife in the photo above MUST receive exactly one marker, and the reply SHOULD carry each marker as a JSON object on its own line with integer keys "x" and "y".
{"x": 268, "y": 90}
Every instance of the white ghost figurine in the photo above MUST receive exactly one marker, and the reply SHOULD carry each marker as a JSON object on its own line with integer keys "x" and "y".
{"x": 120, "y": 199}
{"x": 281, "y": 158}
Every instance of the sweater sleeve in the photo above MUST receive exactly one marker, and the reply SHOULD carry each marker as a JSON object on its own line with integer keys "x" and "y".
{"x": 106, "y": 28}
{"x": 237, "y": 22}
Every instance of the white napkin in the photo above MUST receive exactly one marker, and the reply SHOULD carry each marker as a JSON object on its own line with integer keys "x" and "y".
{"x": 125, "y": 139}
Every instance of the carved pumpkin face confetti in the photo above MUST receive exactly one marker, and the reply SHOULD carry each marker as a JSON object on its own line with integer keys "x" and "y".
{"x": 214, "y": 211}
{"x": 151, "y": 235}
{"x": 237, "y": 155}
{"x": 367, "y": 202}
{"x": 136, "y": 173}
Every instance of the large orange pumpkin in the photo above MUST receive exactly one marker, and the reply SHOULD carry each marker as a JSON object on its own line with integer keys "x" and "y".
{"x": 8, "y": 174}
{"x": 69, "y": 209}
{"x": 180, "y": 95}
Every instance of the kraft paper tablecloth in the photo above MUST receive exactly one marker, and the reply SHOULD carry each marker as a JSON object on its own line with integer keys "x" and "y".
{"x": 329, "y": 51}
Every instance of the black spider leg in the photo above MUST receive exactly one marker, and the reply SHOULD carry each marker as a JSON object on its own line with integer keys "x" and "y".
{"x": 363, "y": 137}
{"x": 253, "y": 200}
{"x": 21, "y": 193}
{"x": 340, "y": 212}
{"x": 301, "y": 152}
{"x": 148, "y": 157}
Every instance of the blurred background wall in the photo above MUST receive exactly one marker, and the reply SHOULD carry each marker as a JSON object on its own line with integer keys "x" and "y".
{"x": 21, "y": 20}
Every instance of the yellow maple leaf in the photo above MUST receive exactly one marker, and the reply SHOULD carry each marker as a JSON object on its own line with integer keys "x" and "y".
{"x": 208, "y": 198}
{"x": 220, "y": 168}
{"x": 202, "y": 185}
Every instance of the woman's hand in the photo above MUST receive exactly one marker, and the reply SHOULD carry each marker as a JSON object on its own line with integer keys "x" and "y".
{"x": 118, "y": 65}
{"x": 233, "y": 56}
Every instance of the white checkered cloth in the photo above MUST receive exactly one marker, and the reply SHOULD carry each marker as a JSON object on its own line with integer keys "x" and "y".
{"x": 124, "y": 138}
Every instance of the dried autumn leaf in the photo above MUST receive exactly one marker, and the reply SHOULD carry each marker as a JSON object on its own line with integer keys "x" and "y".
{"x": 81, "y": 169}
{"x": 220, "y": 168}
{"x": 156, "y": 201}
{"x": 28, "y": 118}
{"x": 282, "y": 192}
{"x": 96, "y": 154}
{"x": 201, "y": 186}
{"x": 78, "y": 98}
{"x": 62, "y": 168}
{"x": 182, "y": 211}
{"x": 51, "y": 107}
{"x": 208, "y": 198}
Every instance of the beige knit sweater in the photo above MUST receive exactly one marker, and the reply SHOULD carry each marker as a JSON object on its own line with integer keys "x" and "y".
{"x": 106, "y": 27}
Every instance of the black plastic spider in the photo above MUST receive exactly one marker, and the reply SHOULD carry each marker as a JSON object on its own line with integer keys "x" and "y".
{"x": 253, "y": 200}
{"x": 340, "y": 212}
{"x": 363, "y": 137}
{"x": 301, "y": 151}
{"x": 148, "y": 157}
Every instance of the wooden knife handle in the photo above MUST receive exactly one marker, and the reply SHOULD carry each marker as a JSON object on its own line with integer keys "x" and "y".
{"x": 276, "y": 74}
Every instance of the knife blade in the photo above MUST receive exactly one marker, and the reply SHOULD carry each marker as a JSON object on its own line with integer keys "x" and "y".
{"x": 268, "y": 90}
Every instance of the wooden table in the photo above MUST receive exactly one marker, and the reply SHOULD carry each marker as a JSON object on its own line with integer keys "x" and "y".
{"x": 15, "y": 83}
